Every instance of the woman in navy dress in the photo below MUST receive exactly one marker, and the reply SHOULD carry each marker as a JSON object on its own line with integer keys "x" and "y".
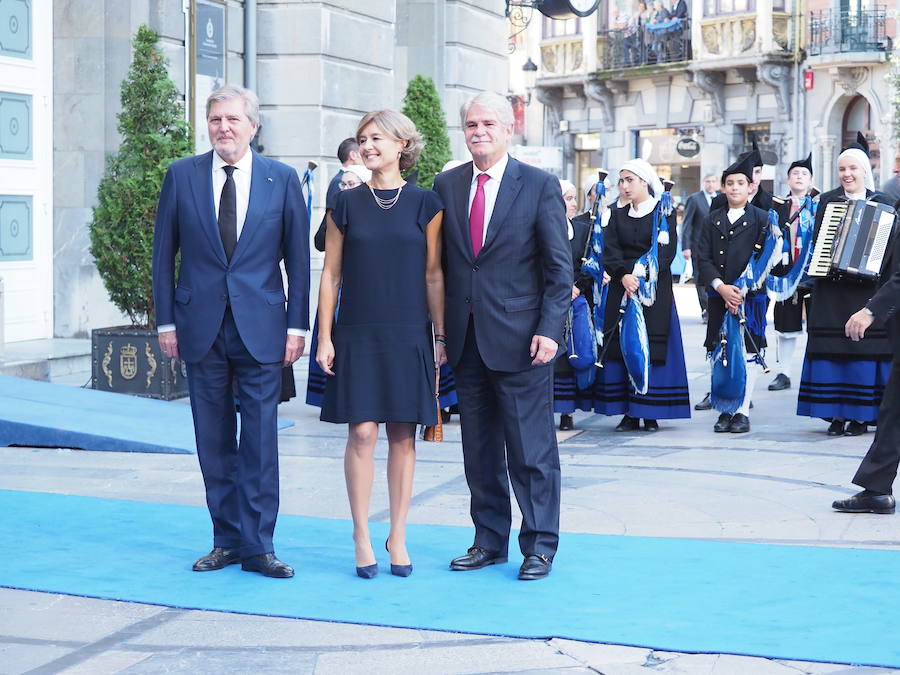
{"x": 382, "y": 252}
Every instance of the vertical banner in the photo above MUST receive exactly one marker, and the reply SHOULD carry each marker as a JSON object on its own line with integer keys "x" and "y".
{"x": 209, "y": 63}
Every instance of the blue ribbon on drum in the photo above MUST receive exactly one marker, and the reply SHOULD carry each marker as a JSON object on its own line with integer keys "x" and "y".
{"x": 729, "y": 370}
{"x": 783, "y": 288}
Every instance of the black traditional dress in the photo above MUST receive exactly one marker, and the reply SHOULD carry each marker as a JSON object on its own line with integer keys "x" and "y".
{"x": 626, "y": 239}
{"x": 843, "y": 379}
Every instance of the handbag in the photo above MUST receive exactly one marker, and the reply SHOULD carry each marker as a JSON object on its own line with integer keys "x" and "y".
{"x": 435, "y": 433}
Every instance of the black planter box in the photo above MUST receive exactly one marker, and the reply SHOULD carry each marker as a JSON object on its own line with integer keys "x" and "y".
{"x": 129, "y": 361}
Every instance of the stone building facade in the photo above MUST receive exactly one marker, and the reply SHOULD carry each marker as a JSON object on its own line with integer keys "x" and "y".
{"x": 318, "y": 66}
{"x": 794, "y": 75}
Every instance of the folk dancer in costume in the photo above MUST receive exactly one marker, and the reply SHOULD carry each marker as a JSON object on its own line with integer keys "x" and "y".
{"x": 640, "y": 243}
{"x": 738, "y": 249}
{"x": 843, "y": 380}
{"x": 578, "y": 229}
{"x": 796, "y": 215}
{"x": 567, "y": 396}
{"x": 759, "y": 198}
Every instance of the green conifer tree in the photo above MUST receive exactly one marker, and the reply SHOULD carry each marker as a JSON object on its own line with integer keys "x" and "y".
{"x": 423, "y": 106}
{"x": 154, "y": 134}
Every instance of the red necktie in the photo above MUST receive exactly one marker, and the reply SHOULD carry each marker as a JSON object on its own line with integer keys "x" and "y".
{"x": 476, "y": 216}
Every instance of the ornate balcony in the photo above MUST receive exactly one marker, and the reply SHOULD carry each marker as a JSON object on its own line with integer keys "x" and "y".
{"x": 841, "y": 32}
{"x": 658, "y": 45}
{"x": 561, "y": 57}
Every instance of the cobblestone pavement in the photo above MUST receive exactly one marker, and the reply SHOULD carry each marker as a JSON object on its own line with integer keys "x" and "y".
{"x": 773, "y": 485}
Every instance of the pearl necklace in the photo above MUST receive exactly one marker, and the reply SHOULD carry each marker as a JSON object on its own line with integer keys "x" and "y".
{"x": 386, "y": 203}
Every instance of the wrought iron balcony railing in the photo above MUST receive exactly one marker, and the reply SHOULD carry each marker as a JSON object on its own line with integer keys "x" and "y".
{"x": 668, "y": 42}
{"x": 835, "y": 32}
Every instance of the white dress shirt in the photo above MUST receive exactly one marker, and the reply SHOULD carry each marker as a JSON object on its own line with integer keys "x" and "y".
{"x": 242, "y": 175}
{"x": 491, "y": 188}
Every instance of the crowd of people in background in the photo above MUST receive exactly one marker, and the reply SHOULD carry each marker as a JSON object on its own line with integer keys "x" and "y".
{"x": 650, "y": 32}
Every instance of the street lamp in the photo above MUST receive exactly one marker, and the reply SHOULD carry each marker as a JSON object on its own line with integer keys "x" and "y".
{"x": 530, "y": 70}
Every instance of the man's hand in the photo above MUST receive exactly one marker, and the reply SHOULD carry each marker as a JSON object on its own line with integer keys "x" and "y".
{"x": 732, "y": 297}
{"x": 575, "y": 292}
{"x": 856, "y": 326}
{"x": 543, "y": 349}
{"x": 687, "y": 253}
{"x": 630, "y": 283}
{"x": 606, "y": 277}
{"x": 168, "y": 342}
{"x": 293, "y": 348}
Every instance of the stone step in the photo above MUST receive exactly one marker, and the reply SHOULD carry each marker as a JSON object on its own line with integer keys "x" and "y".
{"x": 62, "y": 360}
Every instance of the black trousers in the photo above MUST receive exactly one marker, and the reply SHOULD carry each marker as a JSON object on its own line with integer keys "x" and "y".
{"x": 879, "y": 467}
{"x": 509, "y": 436}
{"x": 241, "y": 479}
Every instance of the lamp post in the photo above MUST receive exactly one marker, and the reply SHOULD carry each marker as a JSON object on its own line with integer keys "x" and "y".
{"x": 529, "y": 68}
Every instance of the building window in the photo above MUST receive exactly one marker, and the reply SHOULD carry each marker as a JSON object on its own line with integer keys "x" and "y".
{"x": 15, "y": 29}
{"x": 554, "y": 28}
{"x": 713, "y": 8}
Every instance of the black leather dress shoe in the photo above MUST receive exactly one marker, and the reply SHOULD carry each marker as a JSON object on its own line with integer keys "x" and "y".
{"x": 565, "y": 423}
{"x": 855, "y": 428}
{"x": 836, "y": 428}
{"x": 866, "y": 502}
{"x": 780, "y": 382}
{"x": 218, "y": 558}
{"x": 651, "y": 425}
{"x": 723, "y": 424}
{"x": 705, "y": 404}
{"x": 476, "y": 558}
{"x": 740, "y": 424}
{"x": 628, "y": 424}
{"x": 267, "y": 565}
{"x": 535, "y": 567}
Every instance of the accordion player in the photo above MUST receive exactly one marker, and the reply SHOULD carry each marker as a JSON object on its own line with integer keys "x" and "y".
{"x": 853, "y": 240}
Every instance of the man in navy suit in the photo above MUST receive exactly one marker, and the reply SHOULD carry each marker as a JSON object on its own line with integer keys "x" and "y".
{"x": 234, "y": 216}
{"x": 508, "y": 279}
{"x": 696, "y": 213}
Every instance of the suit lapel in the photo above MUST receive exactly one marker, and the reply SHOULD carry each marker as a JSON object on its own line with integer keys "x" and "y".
{"x": 509, "y": 190}
{"x": 461, "y": 191}
{"x": 201, "y": 185}
{"x": 261, "y": 184}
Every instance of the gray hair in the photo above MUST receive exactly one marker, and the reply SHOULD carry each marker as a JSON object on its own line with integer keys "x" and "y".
{"x": 230, "y": 91}
{"x": 489, "y": 100}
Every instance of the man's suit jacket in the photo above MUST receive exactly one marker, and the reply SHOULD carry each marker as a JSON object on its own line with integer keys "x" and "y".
{"x": 679, "y": 10}
{"x": 696, "y": 214}
{"x": 520, "y": 284}
{"x": 276, "y": 228}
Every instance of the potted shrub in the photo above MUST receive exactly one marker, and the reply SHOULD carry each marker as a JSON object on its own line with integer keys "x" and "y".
{"x": 154, "y": 134}
{"x": 423, "y": 106}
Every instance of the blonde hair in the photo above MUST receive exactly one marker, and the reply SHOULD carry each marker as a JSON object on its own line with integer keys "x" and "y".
{"x": 400, "y": 128}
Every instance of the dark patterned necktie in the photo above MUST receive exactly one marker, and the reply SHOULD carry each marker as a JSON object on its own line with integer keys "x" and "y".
{"x": 228, "y": 213}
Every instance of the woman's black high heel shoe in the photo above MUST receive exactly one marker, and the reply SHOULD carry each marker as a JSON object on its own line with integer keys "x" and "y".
{"x": 398, "y": 570}
{"x": 367, "y": 572}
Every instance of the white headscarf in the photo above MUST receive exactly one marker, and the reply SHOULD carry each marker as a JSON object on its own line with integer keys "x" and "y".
{"x": 360, "y": 171}
{"x": 565, "y": 185}
{"x": 862, "y": 158}
{"x": 643, "y": 169}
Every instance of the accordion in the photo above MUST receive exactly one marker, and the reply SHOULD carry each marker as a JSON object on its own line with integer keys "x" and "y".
{"x": 853, "y": 240}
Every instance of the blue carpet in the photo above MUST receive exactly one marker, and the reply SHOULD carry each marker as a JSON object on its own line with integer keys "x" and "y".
{"x": 793, "y": 602}
{"x": 42, "y": 414}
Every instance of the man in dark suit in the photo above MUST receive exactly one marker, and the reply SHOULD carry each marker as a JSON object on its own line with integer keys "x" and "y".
{"x": 878, "y": 469}
{"x": 348, "y": 155}
{"x": 234, "y": 215}
{"x": 508, "y": 275}
{"x": 696, "y": 215}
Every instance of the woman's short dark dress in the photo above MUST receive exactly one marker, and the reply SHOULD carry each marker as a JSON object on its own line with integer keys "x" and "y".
{"x": 384, "y": 358}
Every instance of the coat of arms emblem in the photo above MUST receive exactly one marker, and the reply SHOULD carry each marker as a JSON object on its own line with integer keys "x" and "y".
{"x": 128, "y": 361}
